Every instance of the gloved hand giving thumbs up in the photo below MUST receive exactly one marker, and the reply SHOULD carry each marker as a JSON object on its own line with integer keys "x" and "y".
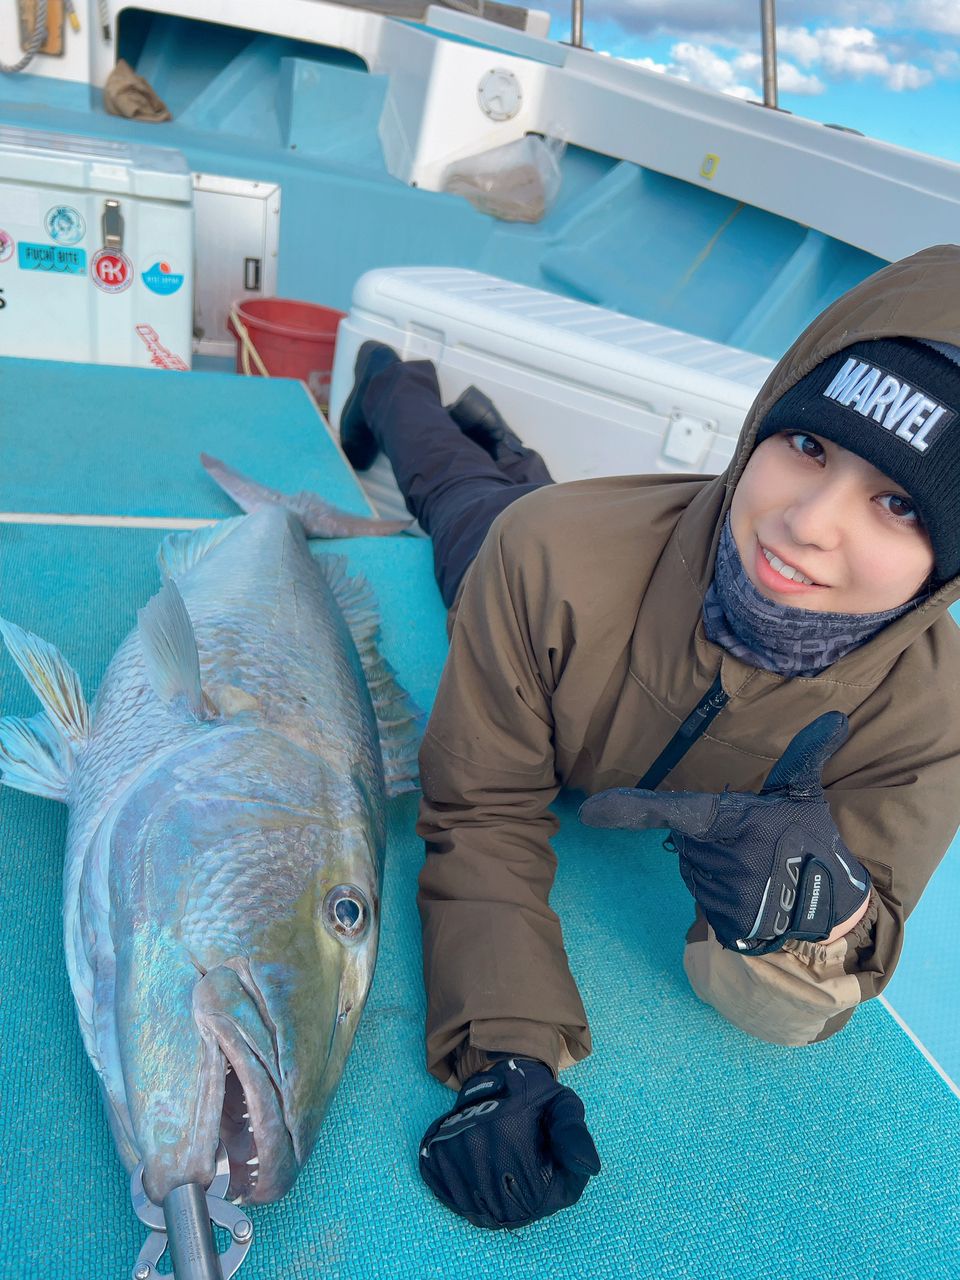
{"x": 765, "y": 867}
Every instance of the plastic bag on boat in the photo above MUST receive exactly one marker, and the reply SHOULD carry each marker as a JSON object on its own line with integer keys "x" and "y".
{"x": 517, "y": 182}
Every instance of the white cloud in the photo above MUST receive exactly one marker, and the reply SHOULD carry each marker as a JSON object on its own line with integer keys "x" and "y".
{"x": 698, "y": 64}
{"x": 806, "y": 60}
{"x": 701, "y": 65}
{"x": 850, "y": 53}
{"x": 946, "y": 63}
{"x": 792, "y": 80}
{"x": 707, "y": 20}
{"x": 740, "y": 75}
{"x": 703, "y": 21}
{"x": 942, "y": 16}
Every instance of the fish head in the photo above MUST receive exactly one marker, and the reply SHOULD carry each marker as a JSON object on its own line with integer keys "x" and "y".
{"x": 245, "y": 915}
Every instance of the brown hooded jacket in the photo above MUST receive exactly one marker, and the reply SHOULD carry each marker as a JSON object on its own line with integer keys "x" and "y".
{"x": 577, "y": 651}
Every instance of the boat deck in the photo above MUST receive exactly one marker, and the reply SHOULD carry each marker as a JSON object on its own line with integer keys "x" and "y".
{"x": 723, "y": 1156}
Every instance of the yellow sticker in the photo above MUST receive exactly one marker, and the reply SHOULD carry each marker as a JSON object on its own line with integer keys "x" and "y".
{"x": 708, "y": 167}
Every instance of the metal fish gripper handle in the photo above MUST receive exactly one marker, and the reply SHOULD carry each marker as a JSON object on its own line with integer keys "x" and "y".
{"x": 183, "y": 1224}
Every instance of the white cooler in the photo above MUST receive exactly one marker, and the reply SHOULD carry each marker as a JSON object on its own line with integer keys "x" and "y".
{"x": 595, "y": 392}
{"x": 96, "y": 251}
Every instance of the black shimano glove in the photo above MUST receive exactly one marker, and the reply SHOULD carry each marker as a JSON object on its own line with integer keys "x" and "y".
{"x": 765, "y": 867}
{"x": 514, "y": 1148}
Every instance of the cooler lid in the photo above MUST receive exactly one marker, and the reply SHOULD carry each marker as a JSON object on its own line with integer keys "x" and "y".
{"x": 94, "y": 164}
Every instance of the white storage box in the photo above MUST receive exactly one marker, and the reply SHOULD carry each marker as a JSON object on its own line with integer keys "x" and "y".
{"x": 96, "y": 251}
{"x": 595, "y": 392}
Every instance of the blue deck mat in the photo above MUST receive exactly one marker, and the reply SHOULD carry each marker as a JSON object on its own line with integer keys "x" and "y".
{"x": 103, "y": 439}
{"x": 722, "y": 1156}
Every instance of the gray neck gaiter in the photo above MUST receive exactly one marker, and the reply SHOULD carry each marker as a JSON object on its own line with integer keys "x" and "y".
{"x": 775, "y": 637}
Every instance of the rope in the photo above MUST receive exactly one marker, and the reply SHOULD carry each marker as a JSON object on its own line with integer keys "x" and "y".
{"x": 34, "y": 44}
{"x": 247, "y": 349}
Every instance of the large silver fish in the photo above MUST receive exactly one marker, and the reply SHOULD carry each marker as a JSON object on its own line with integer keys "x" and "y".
{"x": 225, "y": 841}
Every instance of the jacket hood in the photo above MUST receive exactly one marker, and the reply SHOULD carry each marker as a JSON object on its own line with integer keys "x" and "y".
{"x": 917, "y": 297}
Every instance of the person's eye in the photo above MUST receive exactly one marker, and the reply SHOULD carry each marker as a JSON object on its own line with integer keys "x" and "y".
{"x": 900, "y": 507}
{"x": 808, "y": 446}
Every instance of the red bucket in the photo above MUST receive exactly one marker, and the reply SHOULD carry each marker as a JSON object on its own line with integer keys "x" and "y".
{"x": 281, "y": 338}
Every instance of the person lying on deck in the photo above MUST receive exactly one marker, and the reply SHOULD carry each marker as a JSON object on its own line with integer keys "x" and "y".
{"x": 761, "y": 663}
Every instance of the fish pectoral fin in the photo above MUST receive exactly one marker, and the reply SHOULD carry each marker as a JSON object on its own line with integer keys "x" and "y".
{"x": 35, "y": 756}
{"x": 170, "y": 652}
{"x": 319, "y": 518}
{"x": 52, "y": 679}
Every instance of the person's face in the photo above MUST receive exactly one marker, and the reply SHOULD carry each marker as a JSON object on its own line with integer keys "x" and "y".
{"x": 852, "y": 533}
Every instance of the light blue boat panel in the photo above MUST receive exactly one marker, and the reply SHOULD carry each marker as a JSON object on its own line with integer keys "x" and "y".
{"x": 349, "y": 105}
{"x": 683, "y": 256}
{"x": 275, "y": 110}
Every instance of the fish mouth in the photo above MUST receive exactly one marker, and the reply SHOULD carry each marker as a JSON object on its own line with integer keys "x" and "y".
{"x": 238, "y": 1135}
{"x": 245, "y": 1072}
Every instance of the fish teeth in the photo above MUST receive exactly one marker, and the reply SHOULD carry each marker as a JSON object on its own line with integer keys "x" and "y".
{"x": 254, "y": 1160}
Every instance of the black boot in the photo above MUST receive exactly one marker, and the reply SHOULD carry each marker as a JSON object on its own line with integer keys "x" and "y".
{"x": 481, "y": 421}
{"x": 358, "y": 441}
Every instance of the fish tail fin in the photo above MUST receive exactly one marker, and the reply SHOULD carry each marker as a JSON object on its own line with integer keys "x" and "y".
{"x": 35, "y": 756}
{"x": 170, "y": 651}
{"x": 318, "y": 518}
{"x": 400, "y": 722}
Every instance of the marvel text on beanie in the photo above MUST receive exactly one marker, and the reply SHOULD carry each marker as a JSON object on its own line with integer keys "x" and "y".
{"x": 894, "y": 402}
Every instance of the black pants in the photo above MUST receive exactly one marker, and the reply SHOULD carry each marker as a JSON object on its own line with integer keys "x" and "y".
{"x": 451, "y": 485}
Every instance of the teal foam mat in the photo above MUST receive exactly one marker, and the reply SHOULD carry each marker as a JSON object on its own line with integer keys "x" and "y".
{"x": 925, "y": 989}
{"x": 723, "y": 1157}
{"x": 88, "y": 440}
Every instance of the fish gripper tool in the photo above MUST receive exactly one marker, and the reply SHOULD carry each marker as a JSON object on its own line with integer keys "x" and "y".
{"x": 183, "y": 1224}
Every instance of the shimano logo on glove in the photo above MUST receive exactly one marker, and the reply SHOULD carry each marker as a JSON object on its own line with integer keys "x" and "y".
{"x": 484, "y": 1084}
{"x": 815, "y": 896}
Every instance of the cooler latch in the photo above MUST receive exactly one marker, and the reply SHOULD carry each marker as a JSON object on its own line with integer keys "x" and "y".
{"x": 112, "y": 225}
{"x": 688, "y": 440}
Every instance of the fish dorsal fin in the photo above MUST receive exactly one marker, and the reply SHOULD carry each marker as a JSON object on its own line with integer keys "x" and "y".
{"x": 52, "y": 679}
{"x": 399, "y": 722}
{"x": 170, "y": 651}
{"x": 35, "y": 757}
{"x": 179, "y": 552}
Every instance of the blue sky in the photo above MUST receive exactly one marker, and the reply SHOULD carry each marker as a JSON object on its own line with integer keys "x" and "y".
{"x": 890, "y": 68}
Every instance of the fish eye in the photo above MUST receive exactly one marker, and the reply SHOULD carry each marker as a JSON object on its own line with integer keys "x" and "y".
{"x": 345, "y": 912}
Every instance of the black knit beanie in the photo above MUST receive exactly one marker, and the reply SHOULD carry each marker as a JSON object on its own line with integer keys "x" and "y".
{"x": 896, "y": 403}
